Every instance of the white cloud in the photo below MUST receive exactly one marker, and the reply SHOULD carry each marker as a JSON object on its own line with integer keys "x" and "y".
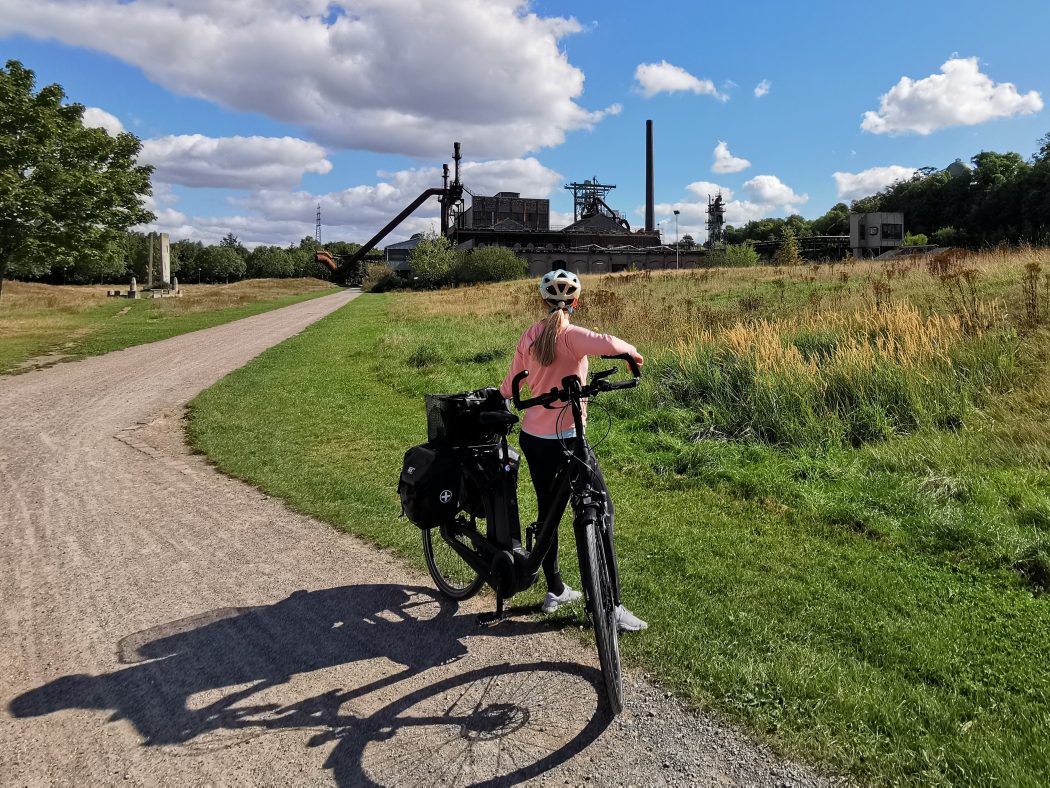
{"x": 853, "y": 185}
{"x": 767, "y": 195}
{"x": 762, "y": 88}
{"x": 233, "y": 162}
{"x": 707, "y": 189}
{"x": 770, "y": 191}
{"x": 392, "y": 76}
{"x": 282, "y": 216}
{"x": 959, "y": 96}
{"x": 662, "y": 77}
{"x": 726, "y": 162}
{"x": 100, "y": 119}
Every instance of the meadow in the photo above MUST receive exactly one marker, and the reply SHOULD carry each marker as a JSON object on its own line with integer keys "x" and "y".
{"x": 832, "y": 487}
{"x": 44, "y": 324}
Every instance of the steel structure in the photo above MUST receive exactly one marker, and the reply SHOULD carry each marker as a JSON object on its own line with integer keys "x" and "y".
{"x": 716, "y": 220}
{"x": 450, "y": 196}
{"x": 588, "y": 199}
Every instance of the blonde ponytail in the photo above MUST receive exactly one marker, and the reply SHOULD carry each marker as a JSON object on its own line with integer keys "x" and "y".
{"x": 544, "y": 346}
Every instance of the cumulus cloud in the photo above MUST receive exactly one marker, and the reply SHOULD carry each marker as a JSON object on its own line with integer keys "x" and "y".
{"x": 100, "y": 119}
{"x": 854, "y": 185}
{"x": 383, "y": 77}
{"x": 762, "y": 88}
{"x": 663, "y": 77}
{"x": 282, "y": 216}
{"x": 959, "y": 96}
{"x": 707, "y": 189}
{"x": 726, "y": 162}
{"x": 770, "y": 191}
{"x": 766, "y": 195}
{"x": 233, "y": 162}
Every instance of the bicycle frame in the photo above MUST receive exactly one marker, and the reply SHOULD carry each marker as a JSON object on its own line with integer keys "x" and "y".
{"x": 498, "y": 556}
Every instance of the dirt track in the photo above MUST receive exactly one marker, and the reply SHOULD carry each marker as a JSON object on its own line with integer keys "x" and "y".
{"x": 162, "y": 624}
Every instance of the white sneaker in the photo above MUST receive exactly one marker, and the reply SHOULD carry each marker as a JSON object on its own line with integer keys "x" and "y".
{"x": 552, "y": 602}
{"x": 626, "y": 621}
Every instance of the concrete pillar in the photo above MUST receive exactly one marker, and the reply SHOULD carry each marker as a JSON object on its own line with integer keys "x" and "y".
{"x": 165, "y": 257}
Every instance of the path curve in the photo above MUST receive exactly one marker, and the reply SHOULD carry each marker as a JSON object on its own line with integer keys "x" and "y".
{"x": 164, "y": 624}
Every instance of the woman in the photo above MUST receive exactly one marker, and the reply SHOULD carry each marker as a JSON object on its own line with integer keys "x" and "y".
{"x": 550, "y": 350}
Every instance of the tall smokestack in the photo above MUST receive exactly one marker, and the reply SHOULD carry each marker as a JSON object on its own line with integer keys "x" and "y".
{"x": 650, "y": 209}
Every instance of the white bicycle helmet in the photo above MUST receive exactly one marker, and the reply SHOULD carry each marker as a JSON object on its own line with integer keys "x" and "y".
{"x": 560, "y": 288}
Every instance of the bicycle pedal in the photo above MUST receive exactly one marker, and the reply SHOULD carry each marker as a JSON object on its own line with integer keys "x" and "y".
{"x": 489, "y": 620}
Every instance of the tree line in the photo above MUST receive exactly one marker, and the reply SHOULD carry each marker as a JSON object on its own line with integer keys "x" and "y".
{"x": 1001, "y": 198}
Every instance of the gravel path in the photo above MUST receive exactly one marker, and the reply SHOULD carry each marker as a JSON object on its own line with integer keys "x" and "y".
{"x": 163, "y": 624}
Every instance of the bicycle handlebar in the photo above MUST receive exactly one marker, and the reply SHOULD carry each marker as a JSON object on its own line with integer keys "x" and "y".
{"x": 597, "y": 384}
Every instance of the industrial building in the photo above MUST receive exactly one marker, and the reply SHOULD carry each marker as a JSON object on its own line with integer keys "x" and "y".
{"x": 599, "y": 240}
{"x": 871, "y": 234}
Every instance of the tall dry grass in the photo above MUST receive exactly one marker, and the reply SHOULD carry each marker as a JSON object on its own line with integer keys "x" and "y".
{"x": 846, "y": 352}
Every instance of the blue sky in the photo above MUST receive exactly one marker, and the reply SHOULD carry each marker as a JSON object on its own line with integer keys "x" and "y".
{"x": 255, "y": 111}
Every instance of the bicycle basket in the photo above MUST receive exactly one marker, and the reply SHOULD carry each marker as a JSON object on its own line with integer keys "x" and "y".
{"x": 453, "y": 418}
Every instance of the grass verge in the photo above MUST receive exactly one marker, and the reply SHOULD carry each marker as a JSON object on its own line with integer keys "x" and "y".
{"x": 45, "y": 324}
{"x": 876, "y": 607}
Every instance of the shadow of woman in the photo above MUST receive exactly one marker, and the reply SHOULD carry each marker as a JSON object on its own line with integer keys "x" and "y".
{"x": 242, "y": 652}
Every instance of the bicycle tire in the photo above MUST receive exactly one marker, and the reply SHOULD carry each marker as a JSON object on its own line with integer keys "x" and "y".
{"x": 455, "y": 578}
{"x": 602, "y": 608}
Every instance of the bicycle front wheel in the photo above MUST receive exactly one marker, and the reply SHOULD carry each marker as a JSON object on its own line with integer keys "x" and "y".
{"x": 602, "y": 608}
{"x": 454, "y": 577}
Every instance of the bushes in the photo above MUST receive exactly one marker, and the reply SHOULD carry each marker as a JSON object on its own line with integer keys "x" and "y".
{"x": 435, "y": 263}
{"x": 489, "y": 264}
{"x": 379, "y": 277}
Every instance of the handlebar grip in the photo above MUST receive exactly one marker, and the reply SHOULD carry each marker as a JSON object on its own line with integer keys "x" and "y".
{"x": 522, "y": 404}
{"x": 636, "y": 373}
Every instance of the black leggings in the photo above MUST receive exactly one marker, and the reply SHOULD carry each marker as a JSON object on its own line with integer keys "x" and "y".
{"x": 546, "y": 457}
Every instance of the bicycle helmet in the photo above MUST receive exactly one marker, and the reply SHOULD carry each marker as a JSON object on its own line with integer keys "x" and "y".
{"x": 560, "y": 288}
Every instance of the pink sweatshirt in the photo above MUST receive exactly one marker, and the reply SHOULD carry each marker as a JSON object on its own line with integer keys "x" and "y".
{"x": 570, "y": 358}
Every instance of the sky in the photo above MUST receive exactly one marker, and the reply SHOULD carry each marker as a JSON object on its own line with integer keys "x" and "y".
{"x": 253, "y": 112}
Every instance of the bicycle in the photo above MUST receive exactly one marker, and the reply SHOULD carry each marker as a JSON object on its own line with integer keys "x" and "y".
{"x": 461, "y": 559}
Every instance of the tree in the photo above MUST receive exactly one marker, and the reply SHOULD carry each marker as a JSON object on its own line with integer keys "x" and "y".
{"x": 834, "y": 222}
{"x": 741, "y": 255}
{"x": 269, "y": 262}
{"x": 184, "y": 258}
{"x": 872, "y": 204}
{"x": 688, "y": 242}
{"x": 67, "y": 193}
{"x": 787, "y": 253}
{"x": 489, "y": 264}
{"x": 220, "y": 263}
{"x": 230, "y": 241}
{"x": 433, "y": 260}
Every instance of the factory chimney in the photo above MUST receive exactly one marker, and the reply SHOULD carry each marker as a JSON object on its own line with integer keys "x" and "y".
{"x": 649, "y": 201}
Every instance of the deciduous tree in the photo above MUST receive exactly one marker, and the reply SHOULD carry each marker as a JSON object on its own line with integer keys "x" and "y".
{"x": 67, "y": 193}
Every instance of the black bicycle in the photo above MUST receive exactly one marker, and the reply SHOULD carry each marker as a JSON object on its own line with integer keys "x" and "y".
{"x": 462, "y": 557}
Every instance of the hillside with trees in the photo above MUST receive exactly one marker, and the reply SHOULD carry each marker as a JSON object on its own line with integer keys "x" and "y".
{"x": 1002, "y": 199}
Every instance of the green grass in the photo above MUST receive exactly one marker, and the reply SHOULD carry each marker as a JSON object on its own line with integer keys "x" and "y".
{"x": 41, "y": 324}
{"x": 877, "y": 608}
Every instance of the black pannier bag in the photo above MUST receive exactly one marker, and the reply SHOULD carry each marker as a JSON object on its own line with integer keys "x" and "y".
{"x": 431, "y": 485}
{"x": 453, "y": 418}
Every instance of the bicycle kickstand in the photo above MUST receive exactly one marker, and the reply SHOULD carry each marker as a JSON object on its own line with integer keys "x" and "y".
{"x": 491, "y": 619}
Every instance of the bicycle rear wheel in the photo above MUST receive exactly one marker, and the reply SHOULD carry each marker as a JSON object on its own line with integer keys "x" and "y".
{"x": 454, "y": 577}
{"x": 602, "y": 608}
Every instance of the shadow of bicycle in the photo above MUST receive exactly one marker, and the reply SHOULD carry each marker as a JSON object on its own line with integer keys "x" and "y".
{"x": 221, "y": 678}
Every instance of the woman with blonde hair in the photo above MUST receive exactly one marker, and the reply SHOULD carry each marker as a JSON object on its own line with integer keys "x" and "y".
{"x": 551, "y": 350}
